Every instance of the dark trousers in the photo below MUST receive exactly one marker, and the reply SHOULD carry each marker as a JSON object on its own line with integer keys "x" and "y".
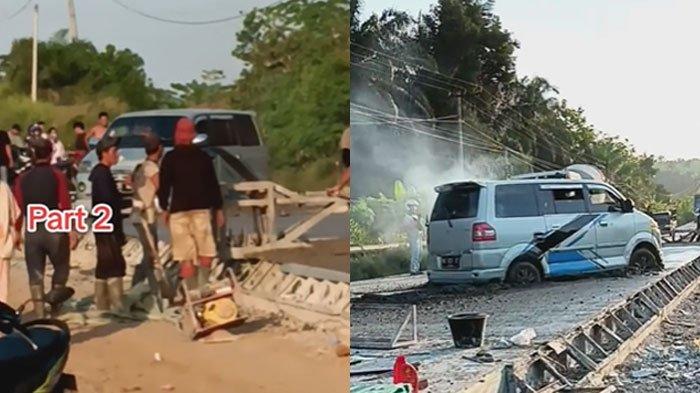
{"x": 110, "y": 261}
{"x": 146, "y": 265}
{"x": 42, "y": 244}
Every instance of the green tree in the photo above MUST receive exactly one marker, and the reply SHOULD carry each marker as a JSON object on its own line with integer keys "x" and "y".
{"x": 77, "y": 72}
{"x": 296, "y": 77}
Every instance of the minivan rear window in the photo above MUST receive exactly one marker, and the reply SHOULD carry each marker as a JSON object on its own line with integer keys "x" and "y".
{"x": 229, "y": 130}
{"x": 456, "y": 203}
{"x": 516, "y": 200}
{"x": 130, "y": 129}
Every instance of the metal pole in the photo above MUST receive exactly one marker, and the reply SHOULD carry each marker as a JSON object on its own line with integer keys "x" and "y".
{"x": 72, "y": 22}
{"x": 35, "y": 52}
{"x": 461, "y": 135}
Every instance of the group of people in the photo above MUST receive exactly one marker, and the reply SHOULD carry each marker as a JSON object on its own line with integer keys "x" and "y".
{"x": 181, "y": 186}
{"x": 11, "y": 141}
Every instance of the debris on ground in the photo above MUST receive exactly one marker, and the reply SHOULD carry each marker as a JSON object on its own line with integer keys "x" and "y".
{"x": 480, "y": 357}
{"x": 669, "y": 360}
{"x": 524, "y": 338}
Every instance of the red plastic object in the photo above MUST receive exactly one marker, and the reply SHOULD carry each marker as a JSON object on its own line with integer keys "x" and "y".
{"x": 405, "y": 373}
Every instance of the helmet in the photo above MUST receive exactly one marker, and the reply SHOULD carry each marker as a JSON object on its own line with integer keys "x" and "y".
{"x": 411, "y": 203}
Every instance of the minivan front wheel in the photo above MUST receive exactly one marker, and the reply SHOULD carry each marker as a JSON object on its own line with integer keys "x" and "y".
{"x": 642, "y": 260}
{"x": 524, "y": 273}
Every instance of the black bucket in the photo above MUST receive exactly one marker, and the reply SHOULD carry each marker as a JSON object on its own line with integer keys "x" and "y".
{"x": 467, "y": 329}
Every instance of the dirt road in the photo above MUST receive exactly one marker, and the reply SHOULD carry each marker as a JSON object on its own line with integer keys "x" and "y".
{"x": 270, "y": 354}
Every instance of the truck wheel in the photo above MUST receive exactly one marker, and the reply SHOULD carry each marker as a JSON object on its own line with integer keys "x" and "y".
{"x": 642, "y": 260}
{"x": 524, "y": 273}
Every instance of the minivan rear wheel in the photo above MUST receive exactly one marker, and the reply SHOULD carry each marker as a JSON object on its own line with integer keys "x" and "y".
{"x": 524, "y": 273}
{"x": 642, "y": 260}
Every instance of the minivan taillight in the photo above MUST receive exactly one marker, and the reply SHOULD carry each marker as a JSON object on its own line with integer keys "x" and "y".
{"x": 483, "y": 232}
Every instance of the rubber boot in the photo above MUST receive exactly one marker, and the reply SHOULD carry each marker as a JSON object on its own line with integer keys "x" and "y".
{"x": 101, "y": 295}
{"x": 116, "y": 293}
{"x": 55, "y": 306}
{"x": 192, "y": 281}
{"x": 188, "y": 274}
{"x": 37, "y": 293}
{"x": 203, "y": 276}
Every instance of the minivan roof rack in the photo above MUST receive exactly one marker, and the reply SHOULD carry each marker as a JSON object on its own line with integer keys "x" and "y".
{"x": 560, "y": 174}
{"x": 571, "y": 172}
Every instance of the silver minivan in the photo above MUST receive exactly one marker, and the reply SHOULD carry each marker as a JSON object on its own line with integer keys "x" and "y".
{"x": 525, "y": 230}
{"x": 232, "y": 140}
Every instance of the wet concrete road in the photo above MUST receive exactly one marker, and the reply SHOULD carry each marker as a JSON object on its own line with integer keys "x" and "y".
{"x": 551, "y": 308}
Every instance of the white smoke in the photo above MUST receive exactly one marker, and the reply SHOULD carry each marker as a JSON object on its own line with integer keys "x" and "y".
{"x": 385, "y": 151}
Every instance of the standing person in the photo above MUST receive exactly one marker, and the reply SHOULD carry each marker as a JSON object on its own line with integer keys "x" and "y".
{"x": 189, "y": 191}
{"x": 111, "y": 267}
{"x": 44, "y": 184}
{"x": 414, "y": 231}
{"x": 6, "y": 160}
{"x": 80, "y": 146}
{"x": 98, "y": 130}
{"x": 145, "y": 184}
{"x": 9, "y": 214}
{"x": 16, "y": 136}
{"x": 59, "y": 151}
{"x": 342, "y": 188}
{"x": 34, "y": 132}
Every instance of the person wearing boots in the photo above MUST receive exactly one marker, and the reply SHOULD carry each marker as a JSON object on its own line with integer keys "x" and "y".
{"x": 111, "y": 266}
{"x": 189, "y": 192}
{"x": 48, "y": 186}
{"x": 145, "y": 184}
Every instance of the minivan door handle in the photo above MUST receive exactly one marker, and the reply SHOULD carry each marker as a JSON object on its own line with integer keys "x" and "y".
{"x": 556, "y": 226}
{"x": 538, "y": 236}
{"x": 603, "y": 223}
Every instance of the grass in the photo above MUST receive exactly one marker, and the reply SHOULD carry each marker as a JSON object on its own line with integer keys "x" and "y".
{"x": 314, "y": 177}
{"x": 382, "y": 264}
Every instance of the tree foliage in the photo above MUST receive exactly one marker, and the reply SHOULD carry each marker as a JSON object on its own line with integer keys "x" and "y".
{"x": 296, "y": 77}
{"x": 416, "y": 67}
{"x": 76, "y": 72}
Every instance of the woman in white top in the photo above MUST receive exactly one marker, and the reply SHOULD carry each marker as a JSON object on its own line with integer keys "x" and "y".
{"x": 59, "y": 151}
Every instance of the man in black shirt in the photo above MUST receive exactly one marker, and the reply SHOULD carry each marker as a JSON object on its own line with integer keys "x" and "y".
{"x": 44, "y": 185}
{"x": 189, "y": 191}
{"x": 111, "y": 267}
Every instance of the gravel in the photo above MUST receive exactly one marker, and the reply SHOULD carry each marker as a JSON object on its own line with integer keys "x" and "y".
{"x": 669, "y": 360}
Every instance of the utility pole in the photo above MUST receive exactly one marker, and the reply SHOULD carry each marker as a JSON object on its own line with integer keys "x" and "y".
{"x": 461, "y": 132}
{"x": 72, "y": 22}
{"x": 35, "y": 51}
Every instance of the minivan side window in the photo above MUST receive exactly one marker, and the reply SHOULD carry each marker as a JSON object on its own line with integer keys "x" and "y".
{"x": 564, "y": 200}
{"x": 601, "y": 199}
{"x": 516, "y": 200}
{"x": 569, "y": 200}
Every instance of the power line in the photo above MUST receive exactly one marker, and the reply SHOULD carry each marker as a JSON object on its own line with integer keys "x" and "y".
{"x": 474, "y": 128}
{"x": 461, "y": 84}
{"x": 388, "y": 118}
{"x": 241, "y": 14}
{"x": 19, "y": 11}
{"x": 476, "y": 144}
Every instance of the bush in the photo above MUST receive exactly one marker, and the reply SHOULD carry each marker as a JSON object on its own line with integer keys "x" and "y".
{"x": 384, "y": 264}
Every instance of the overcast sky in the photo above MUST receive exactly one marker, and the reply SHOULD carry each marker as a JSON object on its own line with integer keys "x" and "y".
{"x": 632, "y": 65}
{"x": 172, "y": 53}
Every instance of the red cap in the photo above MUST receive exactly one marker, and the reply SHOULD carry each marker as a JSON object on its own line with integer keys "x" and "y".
{"x": 184, "y": 132}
